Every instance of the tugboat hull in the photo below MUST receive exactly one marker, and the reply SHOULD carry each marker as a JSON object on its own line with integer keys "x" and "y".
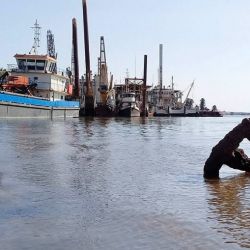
{"x": 129, "y": 112}
{"x": 104, "y": 111}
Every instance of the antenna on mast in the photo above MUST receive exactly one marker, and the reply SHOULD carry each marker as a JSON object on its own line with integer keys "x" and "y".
{"x": 36, "y": 43}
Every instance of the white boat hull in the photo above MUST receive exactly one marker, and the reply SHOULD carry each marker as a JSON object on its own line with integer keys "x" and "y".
{"x": 129, "y": 112}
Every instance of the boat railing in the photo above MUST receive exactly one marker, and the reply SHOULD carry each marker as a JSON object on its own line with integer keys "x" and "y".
{"x": 61, "y": 72}
{"x": 14, "y": 68}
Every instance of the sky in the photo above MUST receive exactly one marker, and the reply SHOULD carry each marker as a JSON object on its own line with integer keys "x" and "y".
{"x": 203, "y": 40}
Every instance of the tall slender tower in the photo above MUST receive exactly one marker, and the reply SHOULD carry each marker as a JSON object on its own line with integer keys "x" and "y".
{"x": 89, "y": 98}
{"x": 160, "y": 65}
{"x": 75, "y": 63}
{"x": 103, "y": 63}
{"x": 36, "y": 44}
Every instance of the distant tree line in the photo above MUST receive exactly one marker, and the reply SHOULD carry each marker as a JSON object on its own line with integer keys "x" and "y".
{"x": 203, "y": 105}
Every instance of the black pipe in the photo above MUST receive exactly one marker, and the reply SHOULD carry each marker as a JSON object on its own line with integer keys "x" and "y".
{"x": 76, "y": 62}
{"x": 89, "y": 99}
{"x": 144, "y": 88}
{"x": 86, "y": 41}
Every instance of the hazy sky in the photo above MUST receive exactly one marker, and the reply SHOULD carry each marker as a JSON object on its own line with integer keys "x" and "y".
{"x": 205, "y": 40}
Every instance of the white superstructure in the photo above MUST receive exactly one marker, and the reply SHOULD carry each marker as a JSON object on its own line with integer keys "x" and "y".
{"x": 42, "y": 70}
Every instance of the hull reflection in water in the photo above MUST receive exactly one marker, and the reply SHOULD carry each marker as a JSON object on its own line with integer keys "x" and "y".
{"x": 229, "y": 206}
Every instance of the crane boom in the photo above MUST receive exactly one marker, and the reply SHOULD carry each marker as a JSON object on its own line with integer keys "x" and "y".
{"x": 192, "y": 84}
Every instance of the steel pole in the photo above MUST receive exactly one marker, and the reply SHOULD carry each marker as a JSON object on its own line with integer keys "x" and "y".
{"x": 76, "y": 62}
{"x": 144, "y": 88}
{"x": 89, "y": 99}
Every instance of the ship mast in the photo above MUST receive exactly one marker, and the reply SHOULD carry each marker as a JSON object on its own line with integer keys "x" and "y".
{"x": 36, "y": 44}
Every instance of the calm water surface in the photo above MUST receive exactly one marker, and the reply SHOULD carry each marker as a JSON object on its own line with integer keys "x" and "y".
{"x": 119, "y": 184}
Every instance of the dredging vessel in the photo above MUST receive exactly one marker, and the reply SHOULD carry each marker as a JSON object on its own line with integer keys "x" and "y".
{"x": 35, "y": 87}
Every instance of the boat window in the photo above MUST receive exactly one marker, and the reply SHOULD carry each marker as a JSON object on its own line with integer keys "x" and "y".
{"x": 48, "y": 66}
{"x": 31, "y": 64}
{"x": 103, "y": 87}
{"x": 35, "y": 80}
{"x": 40, "y": 64}
{"x": 21, "y": 64}
{"x": 51, "y": 67}
{"x": 127, "y": 95}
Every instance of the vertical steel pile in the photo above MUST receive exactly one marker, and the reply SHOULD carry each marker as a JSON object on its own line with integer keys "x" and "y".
{"x": 160, "y": 64}
{"x": 144, "y": 88}
{"x": 76, "y": 62}
{"x": 160, "y": 69}
{"x": 89, "y": 98}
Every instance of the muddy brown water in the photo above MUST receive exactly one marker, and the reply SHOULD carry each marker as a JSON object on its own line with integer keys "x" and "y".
{"x": 119, "y": 184}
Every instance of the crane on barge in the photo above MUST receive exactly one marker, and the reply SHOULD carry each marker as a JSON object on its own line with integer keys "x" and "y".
{"x": 104, "y": 92}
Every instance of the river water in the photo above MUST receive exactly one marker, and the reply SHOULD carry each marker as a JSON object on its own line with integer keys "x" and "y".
{"x": 119, "y": 183}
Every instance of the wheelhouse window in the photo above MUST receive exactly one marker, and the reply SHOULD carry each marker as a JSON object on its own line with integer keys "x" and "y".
{"x": 40, "y": 64}
{"x": 21, "y": 64}
{"x": 103, "y": 88}
{"x": 31, "y": 64}
{"x": 51, "y": 66}
{"x": 128, "y": 95}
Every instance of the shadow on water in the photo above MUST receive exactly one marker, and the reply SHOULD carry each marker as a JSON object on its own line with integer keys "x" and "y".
{"x": 229, "y": 203}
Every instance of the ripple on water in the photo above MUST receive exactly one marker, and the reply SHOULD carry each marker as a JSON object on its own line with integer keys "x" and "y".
{"x": 119, "y": 184}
